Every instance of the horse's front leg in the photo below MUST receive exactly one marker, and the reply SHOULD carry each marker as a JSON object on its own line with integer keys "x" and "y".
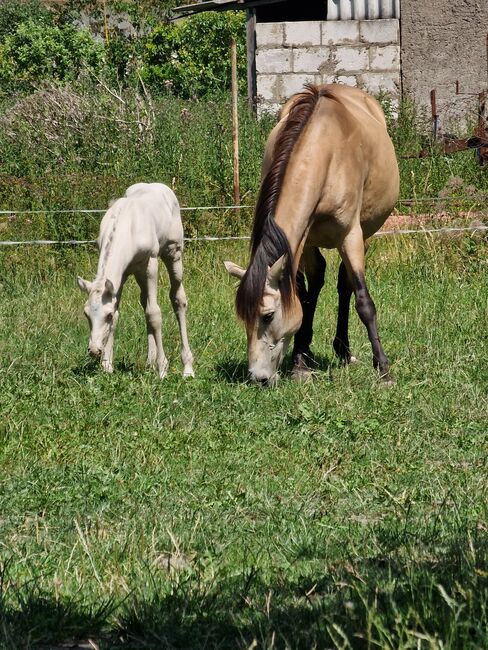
{"x": 313, "y": 267}
{"x": 341, "y": 340}
{"x": 147, "y": 279}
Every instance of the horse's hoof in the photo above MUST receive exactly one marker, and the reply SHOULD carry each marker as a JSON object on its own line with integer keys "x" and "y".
{"x": 188, "y": 373}
{"x": 301, "y": 374}
{"x": 387, "y": 381}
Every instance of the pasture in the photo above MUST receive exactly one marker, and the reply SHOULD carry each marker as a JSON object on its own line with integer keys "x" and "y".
{"x": 140, "y": 513}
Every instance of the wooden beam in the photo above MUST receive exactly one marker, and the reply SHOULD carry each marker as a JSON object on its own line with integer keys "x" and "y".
{"x": 251, "y": 58}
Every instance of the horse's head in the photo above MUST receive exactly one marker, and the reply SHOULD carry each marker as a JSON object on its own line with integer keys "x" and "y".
{"x": 101, "y": 312}
{"x": 270, "y": 330}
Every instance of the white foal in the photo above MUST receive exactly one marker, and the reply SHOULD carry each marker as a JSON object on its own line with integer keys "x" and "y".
{"x": 134, "y": 231}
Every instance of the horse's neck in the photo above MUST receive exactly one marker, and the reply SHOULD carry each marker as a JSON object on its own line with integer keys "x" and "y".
{"x": 114, "y": 260}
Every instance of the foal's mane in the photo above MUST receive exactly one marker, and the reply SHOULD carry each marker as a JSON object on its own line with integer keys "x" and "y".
{"x": 268, "y": 241}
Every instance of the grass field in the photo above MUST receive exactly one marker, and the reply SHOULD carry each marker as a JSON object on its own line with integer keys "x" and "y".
{"x": 213, "y": 514}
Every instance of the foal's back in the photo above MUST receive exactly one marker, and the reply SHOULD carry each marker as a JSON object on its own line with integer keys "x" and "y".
{"x": 147, "y": 219}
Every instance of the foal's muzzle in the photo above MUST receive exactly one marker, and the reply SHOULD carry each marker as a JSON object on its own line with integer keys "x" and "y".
{"x": 265, "y": 382}
{"x": 94, "y": 352}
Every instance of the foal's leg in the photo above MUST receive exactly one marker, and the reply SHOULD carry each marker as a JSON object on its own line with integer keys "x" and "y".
{"x": 341, "y": 340}
{"x": 147, "y": 279}
{"x": 108, "y": 351}
{"x": 313, "y": 267}
{"x": 174, "y": 264}
{"x": 352, "y": 253}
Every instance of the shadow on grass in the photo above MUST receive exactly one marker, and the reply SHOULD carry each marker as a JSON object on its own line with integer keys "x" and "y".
{"x": 91, "y": 367}
{"x": 382, "y": 601}
{"x": 235, "y": 372}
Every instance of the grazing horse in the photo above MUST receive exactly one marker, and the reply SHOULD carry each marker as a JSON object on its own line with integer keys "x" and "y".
{"x": 329, "y": 179}
{"x": 136, "y": 229}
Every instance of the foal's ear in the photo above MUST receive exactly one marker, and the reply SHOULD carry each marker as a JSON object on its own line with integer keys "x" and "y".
{"x": 84, "y": 284}
{"x": 109, "y": 288}
{"x": 275, "y": 272}
{"x": 234, "y": 270}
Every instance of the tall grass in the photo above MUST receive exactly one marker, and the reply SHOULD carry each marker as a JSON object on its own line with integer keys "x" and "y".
{"x": 81, "y": 145}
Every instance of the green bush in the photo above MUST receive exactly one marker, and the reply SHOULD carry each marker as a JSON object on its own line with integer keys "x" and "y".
{"x": 192, "y": 58}
{"x": 37, "y": 51}
{"x": 14, "y": 12}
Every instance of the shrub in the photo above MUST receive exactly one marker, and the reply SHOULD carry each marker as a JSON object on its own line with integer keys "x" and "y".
{"x": 37, "y": 51}
{"x": 14, "y": 12}
{"x": 192, "y": 58}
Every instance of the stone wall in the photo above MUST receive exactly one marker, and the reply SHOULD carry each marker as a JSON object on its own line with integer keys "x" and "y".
{"x": 364, "y": 53}
{"x": 444, "y": 41}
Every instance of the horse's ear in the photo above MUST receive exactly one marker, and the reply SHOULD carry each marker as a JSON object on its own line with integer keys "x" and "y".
{"x": 275, "y": 272}
{"x": 84, "y": 284}
{"x": 234, "y": 270}
{"x": 109, "y": 288}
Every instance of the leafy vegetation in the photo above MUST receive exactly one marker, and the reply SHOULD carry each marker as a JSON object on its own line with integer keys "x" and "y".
{"x": 192, "y": 57}
{"x": 182, "y": 514}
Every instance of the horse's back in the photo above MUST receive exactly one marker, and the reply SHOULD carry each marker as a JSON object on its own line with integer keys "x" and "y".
{"x": 155, "y": 206}
{"x": 345, "y": 164}
{"x": 144, "y": 221}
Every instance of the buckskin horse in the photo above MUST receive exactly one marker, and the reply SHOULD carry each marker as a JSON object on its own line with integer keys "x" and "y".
{"x": 329, "y": 179}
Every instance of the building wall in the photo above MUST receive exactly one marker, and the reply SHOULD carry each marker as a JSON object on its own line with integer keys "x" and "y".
{"x": 364, "y": 53}
{"x": 443, "y": 41}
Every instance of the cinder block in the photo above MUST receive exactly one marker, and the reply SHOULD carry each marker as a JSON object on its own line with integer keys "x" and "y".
{"x": 293, "y": 83}
{"x": 309, "y": 59}
{"x": 303, "y": 33}
{"x": 351, "y": 59}
{"x": 379, "y": 31}
{"x": 340, "y": 32}
{"x": 384, "y": 58}
{"x": 347, "y": 80}
{"x": 378, "y": 82}
{"x": 267, "y": 107}
{"x": 269, "y": 34}
{"x": 269, "y": 87}
{"x": 276, "y": 60}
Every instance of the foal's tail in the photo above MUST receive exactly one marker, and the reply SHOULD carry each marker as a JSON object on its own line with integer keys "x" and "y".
{"x": 268, "y": 241}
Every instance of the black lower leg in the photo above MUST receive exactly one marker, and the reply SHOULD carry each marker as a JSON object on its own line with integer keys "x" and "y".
{"x": 315, "y": 273}
{"x": 341, "y": 340}
{"x": 367, "y": 313}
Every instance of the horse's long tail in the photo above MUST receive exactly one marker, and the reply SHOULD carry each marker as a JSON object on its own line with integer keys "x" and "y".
{"x": 268, "y": 241}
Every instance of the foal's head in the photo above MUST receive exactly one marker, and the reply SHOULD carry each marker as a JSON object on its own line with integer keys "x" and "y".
{"x": 101, "y": 312}
{"x": 272, "y": 326}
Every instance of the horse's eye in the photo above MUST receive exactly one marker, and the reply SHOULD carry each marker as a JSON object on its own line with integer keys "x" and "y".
{"x": 109, "y": 318}
{"x": 267, "y": 318}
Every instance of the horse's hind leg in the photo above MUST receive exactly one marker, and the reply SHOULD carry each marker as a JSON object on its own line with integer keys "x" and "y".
{"x": 313, "y": 267}
{"x": 174, "y": 264}
{"x": 352, "y": 253}
{"x": 341, "y": 340}
{"x": 147, "y": 279}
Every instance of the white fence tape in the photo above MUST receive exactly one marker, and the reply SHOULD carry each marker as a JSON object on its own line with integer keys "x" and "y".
{"x": 422, "y": 231}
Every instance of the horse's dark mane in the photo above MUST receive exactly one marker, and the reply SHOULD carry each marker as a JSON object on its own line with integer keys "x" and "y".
{"x": 268, "y": 241}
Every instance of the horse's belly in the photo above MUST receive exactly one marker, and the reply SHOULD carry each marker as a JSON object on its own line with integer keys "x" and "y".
{"x": 326, "y": 233}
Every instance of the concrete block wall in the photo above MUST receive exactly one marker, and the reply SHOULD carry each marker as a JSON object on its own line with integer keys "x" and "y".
{"x": 364, "y": 53}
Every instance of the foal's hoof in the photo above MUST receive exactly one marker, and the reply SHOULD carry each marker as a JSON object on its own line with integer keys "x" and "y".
{"x": 188, "y": 373}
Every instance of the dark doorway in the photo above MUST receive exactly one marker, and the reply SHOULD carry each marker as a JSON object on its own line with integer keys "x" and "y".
{"x": 292, "y": 10}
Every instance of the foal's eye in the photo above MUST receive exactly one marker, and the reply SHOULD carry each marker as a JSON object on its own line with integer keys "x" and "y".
{"x": 267, "y": 318}
{"x": 109, "y": 318}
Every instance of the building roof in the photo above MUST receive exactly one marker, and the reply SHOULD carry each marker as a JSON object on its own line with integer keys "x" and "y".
{"x": 220, "y": 5}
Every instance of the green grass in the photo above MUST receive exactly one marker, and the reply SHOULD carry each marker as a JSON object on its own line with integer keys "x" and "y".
{"x": 211, "y": 513}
